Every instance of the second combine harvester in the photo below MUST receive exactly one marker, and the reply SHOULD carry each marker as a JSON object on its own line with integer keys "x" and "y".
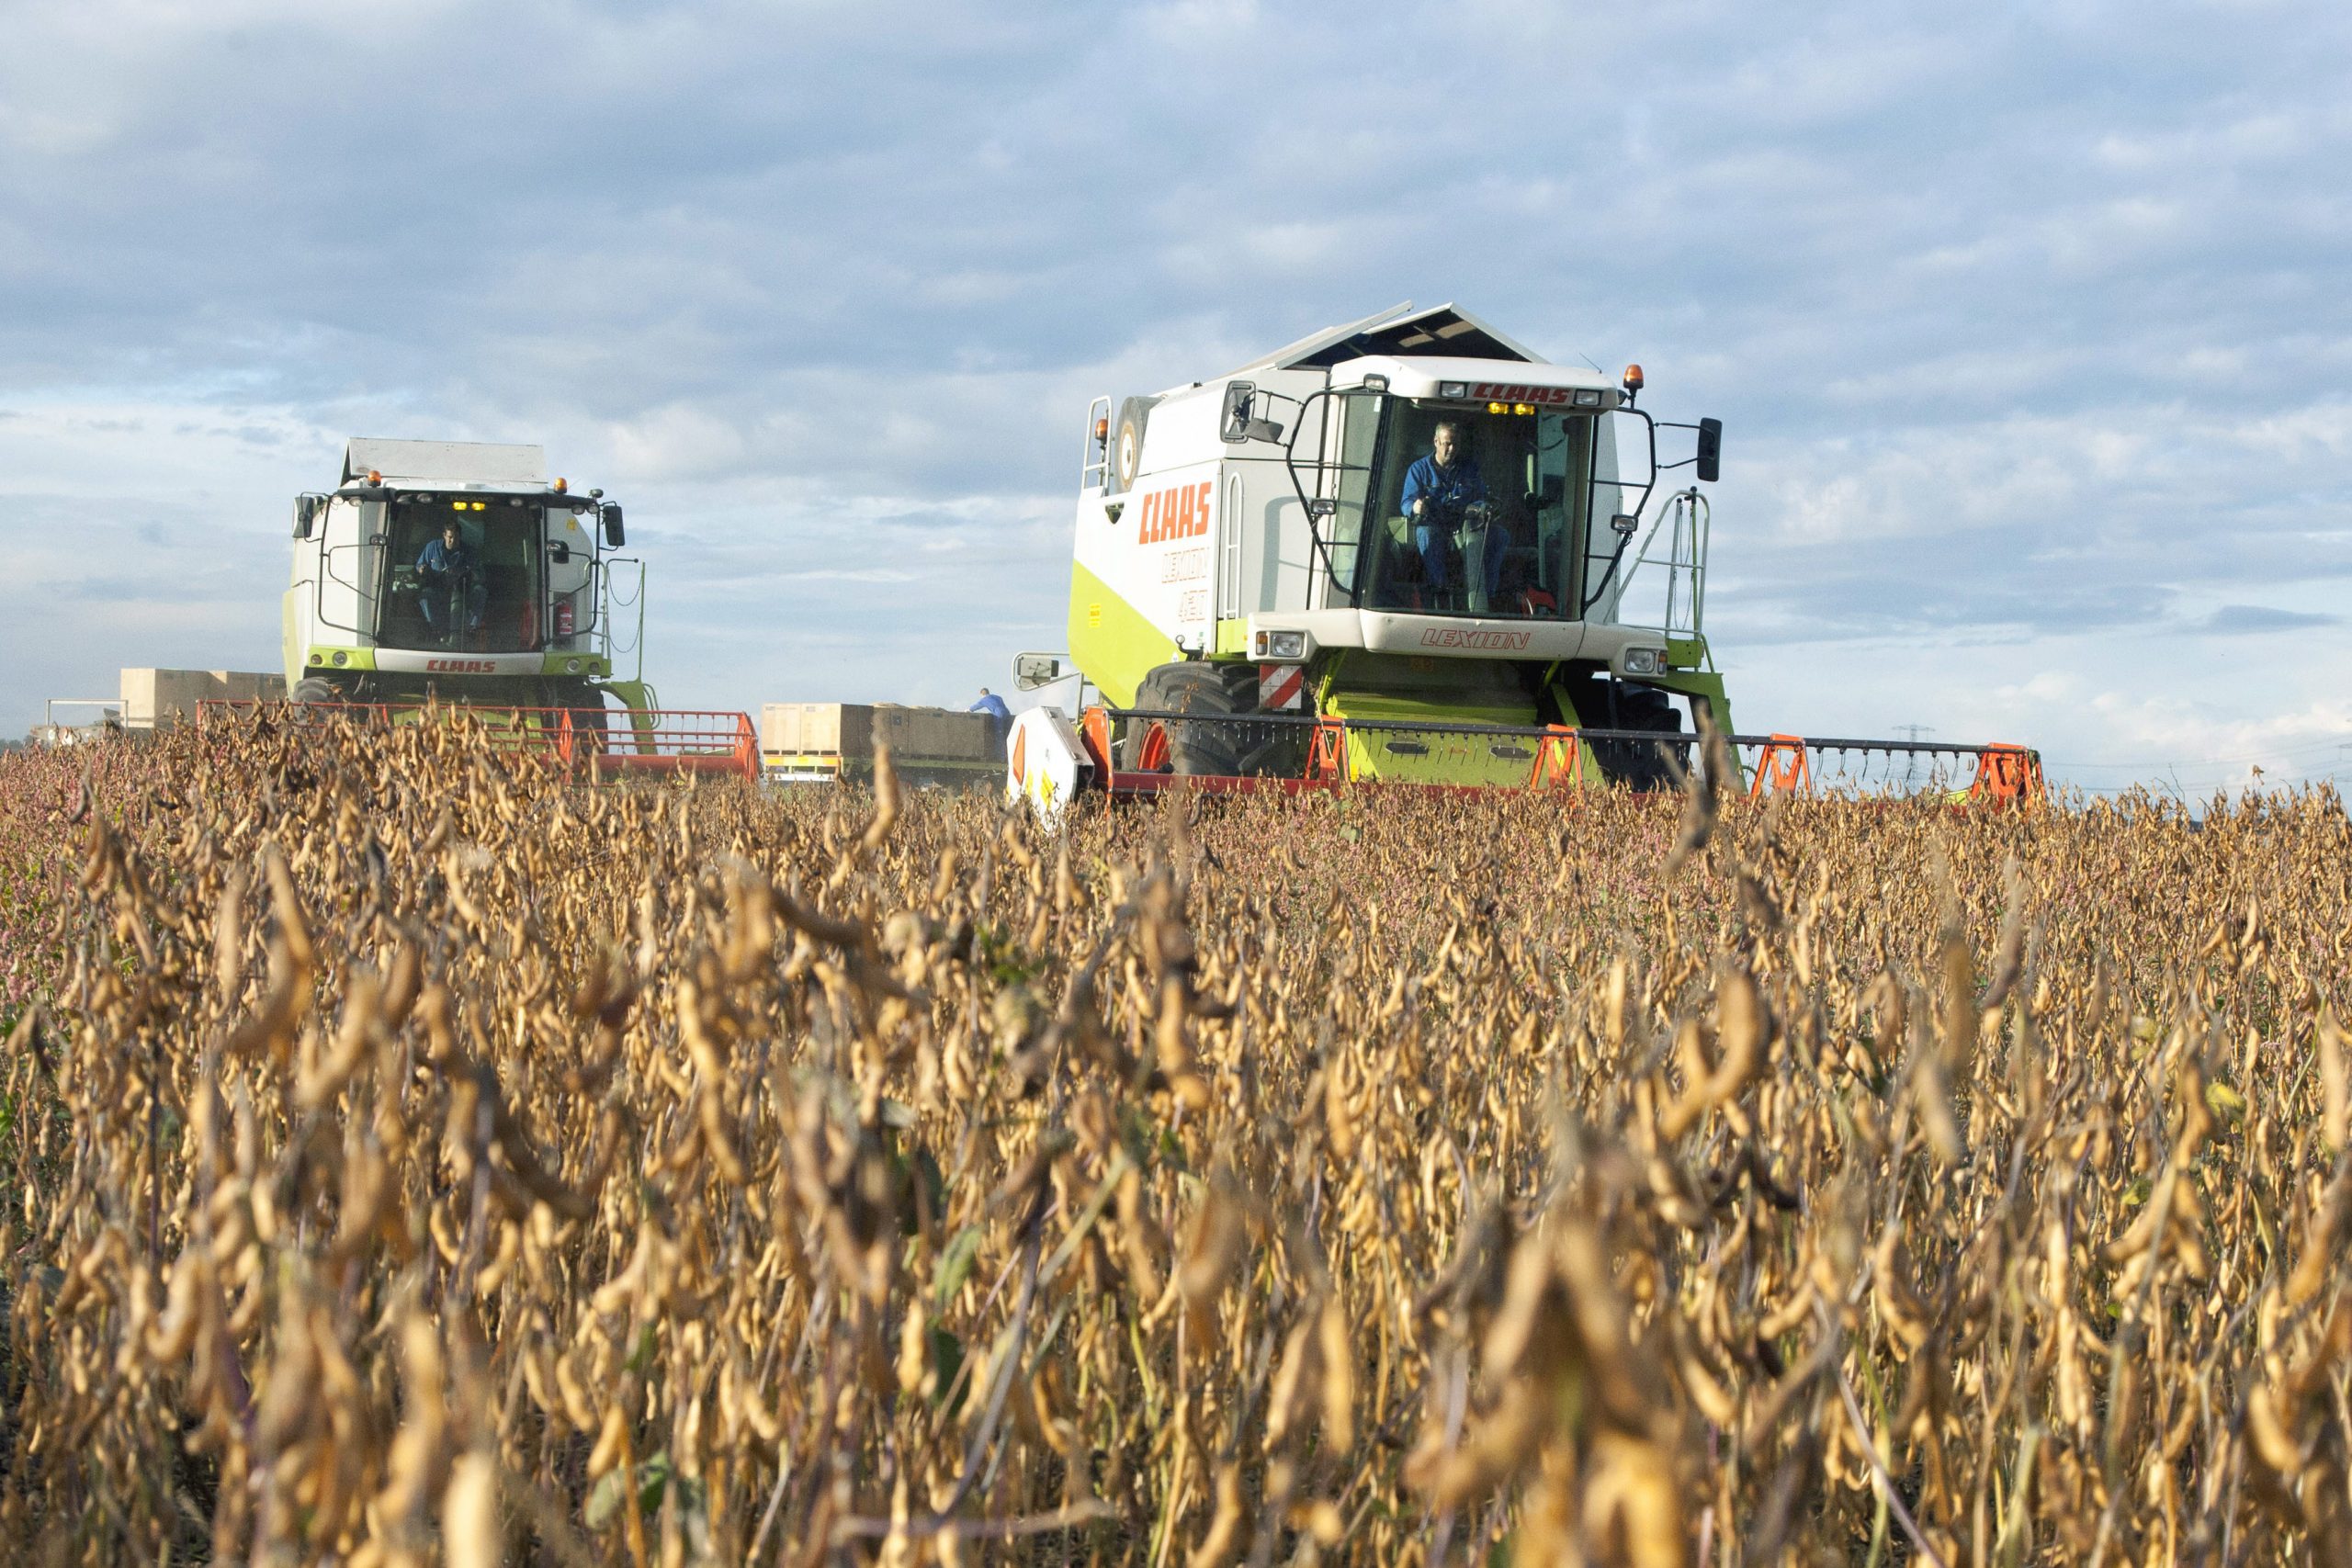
{"x": 1400, "y": 550}
{"x": 458, "y": 573}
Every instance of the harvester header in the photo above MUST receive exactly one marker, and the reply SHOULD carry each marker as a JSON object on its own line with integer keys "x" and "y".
{"x": 460, "y": 573}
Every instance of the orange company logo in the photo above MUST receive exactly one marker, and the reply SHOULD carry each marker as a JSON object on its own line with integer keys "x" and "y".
{"x": 1498, "y": 392}
{"x": 1179, "y": 513}
{"x": 463, "y": 666}
{"x": 1457, "y": 636}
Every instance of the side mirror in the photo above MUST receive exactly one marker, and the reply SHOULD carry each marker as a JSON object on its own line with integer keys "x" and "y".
{"x": 609, "y": 514}
{"x": 306, "y": 511}
{"x": 1711, "y": 449}
{"x": 1240, "y": 423}
{"x": 1240, "y": 397}
{"x": 560, "y": 551}
{"x": 1031, "y": 670}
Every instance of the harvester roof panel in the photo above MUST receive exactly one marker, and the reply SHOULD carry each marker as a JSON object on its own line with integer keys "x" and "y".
{"x": 1439, "y": 329}
{"x": 444, "y": 462}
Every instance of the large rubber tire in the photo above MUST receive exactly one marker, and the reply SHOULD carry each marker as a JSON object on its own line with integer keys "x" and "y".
{"x": 1212, "y": 750}
{"x": 1126, "y": 443}
{"x": 1638, "y": 766}
{"x": 590, "y": 723}
{"x": 316, "y": 689}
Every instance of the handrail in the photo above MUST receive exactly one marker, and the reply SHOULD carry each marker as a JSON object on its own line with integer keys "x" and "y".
{"x": 1686, "y": 559}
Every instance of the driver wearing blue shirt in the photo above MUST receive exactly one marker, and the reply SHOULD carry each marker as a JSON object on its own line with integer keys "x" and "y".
{"x": 1439, "y": 489}
{"x": 445, "y": 561}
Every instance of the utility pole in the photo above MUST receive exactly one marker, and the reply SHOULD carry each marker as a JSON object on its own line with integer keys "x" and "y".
{"x": 1912, "y": 732}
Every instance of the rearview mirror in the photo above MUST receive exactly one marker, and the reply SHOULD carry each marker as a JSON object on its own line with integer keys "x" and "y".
{"x": 1239, "y": 397}
{"x": 1031, "y": 670}
{"x": 306, "y": 511}
{"x": 1240, "y": 423}
{"x": 1711, "y": 449}
{"x": 609, "y": 514}
{"x": 560, "y": 551}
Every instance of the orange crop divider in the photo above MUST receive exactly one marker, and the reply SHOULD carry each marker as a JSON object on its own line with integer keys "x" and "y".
{"x": 1094, "y": 734}
{"x": 1327, "y": 753}
{"x": 1786, "y": 764}
{"x": 2008, "y": 775}
{"x": 1557, "y": 759}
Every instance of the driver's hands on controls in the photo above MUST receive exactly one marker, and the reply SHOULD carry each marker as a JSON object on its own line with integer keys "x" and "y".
{"x": 1441, "y": 492}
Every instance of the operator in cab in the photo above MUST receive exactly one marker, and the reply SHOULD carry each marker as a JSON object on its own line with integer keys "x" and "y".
{"x": 445, "y": 563}
{"x": 1440, "y": 489}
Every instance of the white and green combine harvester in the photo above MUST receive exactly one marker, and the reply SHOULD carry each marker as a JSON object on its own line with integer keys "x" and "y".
{"x": 458, "y": 573}
{"x": 1405, "y": 549}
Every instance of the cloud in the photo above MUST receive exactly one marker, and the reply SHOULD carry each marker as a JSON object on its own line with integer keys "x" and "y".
{"x": 2238, "y": 620}
{"x": 2029, "y": 330}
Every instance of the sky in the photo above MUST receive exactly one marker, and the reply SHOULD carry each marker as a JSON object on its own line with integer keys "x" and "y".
{"x": 2030, "y": 325}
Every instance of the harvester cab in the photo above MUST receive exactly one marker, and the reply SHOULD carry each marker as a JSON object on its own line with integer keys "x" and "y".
{"x": 1403, "y": 548}
{"x": 459, "y": 572}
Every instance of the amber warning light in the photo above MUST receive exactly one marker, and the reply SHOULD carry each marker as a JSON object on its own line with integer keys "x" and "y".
{"x": 1632, "y": 378}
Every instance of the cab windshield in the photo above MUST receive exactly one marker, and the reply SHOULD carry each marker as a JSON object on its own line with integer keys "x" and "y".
{"x": 1448, "y": 509}
{"x": 480, "y": 591}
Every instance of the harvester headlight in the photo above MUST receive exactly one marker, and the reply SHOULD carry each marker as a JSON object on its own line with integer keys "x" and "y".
{"x": 1523, "y": 408}
{"x": 1454, "y": 388}
{"x": 318, "y": 659}
{"x": 1498, "y": 407}
{"x": 340, "y": 658}
{"x": 1645, "y": 661}
{"x": 1376, "y": 383}
{"x": 572, "y": 667}
{"x": 1281, "y": 646}
{"x": 1588, "y": 398}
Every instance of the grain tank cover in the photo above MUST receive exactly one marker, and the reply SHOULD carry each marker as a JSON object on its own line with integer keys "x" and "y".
{"x": 1403, "y": 331}
{"x": 444, "y": 462}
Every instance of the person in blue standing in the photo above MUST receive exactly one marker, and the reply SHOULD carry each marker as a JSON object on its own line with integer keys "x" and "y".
{"x": 449, "y": 562}
{"x": 999, "y": 716}
{"x": 1439, "y": 489}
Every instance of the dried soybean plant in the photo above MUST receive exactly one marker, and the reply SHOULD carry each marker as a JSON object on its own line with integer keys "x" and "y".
{"x": 420, "y": 1157}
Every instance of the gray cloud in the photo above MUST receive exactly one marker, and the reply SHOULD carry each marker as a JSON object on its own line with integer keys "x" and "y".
{"x": 2233, "y": 620}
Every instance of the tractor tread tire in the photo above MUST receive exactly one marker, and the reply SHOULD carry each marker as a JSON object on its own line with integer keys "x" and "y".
{"x": 1645, "y": 708}
{"x": 1213, "y": 690}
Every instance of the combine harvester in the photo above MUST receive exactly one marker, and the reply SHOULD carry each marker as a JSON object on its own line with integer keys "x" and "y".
{"x": 457, "y": 573}
{"x": 1400, "y": 550}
